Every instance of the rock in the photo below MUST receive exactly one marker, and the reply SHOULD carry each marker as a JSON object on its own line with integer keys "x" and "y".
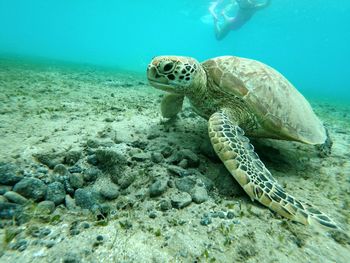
{"x": 110, "y": 191}
{"x": 167, "y": 151}
{"x": 191, "y": 157}
{"x": 126, "y": 180}
{"x": 20, "y": 245}
{"x": 3, "y": 199}
{"x": 85, "y": 198}
{"x": 71, "y": 157}
{"x": 75, "y": 169}
{"x": 199, "y": 194}
{"x": 70, "y": 203}
{"x": 46, "y": 207}
{"x": 91, "y": 174}
{"x": 140, "y": 157}
{"x": 91, "y": 159}
{"x": 9, "y": 210}
{"x": 207, "y": 149}
{"x": 157, "y": 157}
{"x": 4, "y": 189}
{"x": 109, "y": 160}
{"x": 181, "y": 200}
{"x": 15, "y": 198}
{"x": 9, "y": 174}
{"x": 48, "y": 159}
{"x": 60, "y": 169}
{"x": 164, "y": 205}
{"x": 31, "y": 188}
{"x": 67, "y": 186}
{"x": 71, "y": 257}
{"x": 185, "y": 184}
{"x": 206, "y": 220}
{"x": 76, "y": 180}
{"x": 55, "y": 193}
{"x": 158, "y": 187}
{"x": 183, "y": 163}
{"x": 230, "y": 215}
{"x": 177, "y": 170}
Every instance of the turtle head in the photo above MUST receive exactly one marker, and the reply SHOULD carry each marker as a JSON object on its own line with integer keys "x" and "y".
{"x": 175, "y": 74}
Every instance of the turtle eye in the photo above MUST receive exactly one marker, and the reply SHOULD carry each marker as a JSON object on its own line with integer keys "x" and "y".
{"x": 168, "y": 67}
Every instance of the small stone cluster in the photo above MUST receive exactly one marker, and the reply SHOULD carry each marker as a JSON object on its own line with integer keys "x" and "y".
{"x": 98, "y": 177}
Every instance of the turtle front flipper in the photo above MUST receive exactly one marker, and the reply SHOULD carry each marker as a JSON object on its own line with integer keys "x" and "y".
{"x": 244, "y": 164}
{"x": 171, "y": 105}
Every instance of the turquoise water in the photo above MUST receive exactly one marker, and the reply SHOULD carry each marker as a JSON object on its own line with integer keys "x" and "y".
{"x": 308, "y": 41}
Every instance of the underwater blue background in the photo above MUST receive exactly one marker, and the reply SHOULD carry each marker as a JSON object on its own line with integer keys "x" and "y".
{"x": 308, "y": 41}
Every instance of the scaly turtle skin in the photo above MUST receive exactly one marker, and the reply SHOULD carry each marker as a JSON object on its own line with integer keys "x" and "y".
{"x": 241, "y": 96}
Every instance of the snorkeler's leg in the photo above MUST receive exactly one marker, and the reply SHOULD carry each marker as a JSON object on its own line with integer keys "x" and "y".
{"x": 227, "y": 19}
{"x": 212, "y": 9}
{"x": 263, "y": 5}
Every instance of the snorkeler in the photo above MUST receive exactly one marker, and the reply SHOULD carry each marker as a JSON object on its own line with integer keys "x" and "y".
{"x": 246, "y": 9}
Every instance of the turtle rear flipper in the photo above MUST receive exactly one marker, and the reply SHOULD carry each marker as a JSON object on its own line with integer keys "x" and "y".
{"x": 238, "y": 155}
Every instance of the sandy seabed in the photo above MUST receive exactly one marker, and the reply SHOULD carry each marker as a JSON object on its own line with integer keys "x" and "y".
{"x": 51, "y": 110}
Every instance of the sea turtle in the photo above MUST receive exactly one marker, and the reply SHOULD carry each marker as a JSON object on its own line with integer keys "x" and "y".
{"x": 243, "y": 96}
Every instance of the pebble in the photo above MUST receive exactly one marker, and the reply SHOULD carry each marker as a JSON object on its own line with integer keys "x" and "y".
{"x": 183, "y": 163}
{"x": 42, "y": 170}
{"x": 167, "y": 151}
{"x": 9, "y": 210}
{"x": 108, "y": 159}
{"x": 4, "y": 189}
{"x": 9, "y": 174}
{"x": 206, "y": 220}
{"x": 67, "y": 186}
{"x": 85, "y": 198}
{"x": 71, "y": 157}
{"x": 191, "y": 157}
{"x": 71, "y": 257}
{"x": 165, "y": 205}
{"x": 91, "y": 174}
{"x": 157, "y": 157}
{"x": 99, "y": 238}
{"x": 76, "y": 180}
{"x": 19, "y": 245}
{"x": 177, "y": 170}
{"x": 48, "y": 159}
{"x": 3, "y": 199}
{"x": 207, "y": 149}
{"x": 230, "y": 215}
{"x": 31, "y": 188}
{"x": 60, "y": 169}
{"x": 15, "y": 198}
{"x": 181, "y": 200}
{"x": 199, "y": 194}
{"x": 110, "y": 191}
{"x": 126, "y": 180}
{"x": 55, "y": 192}
{"x": 158, "y": 187}
{"x": 75, "y": 169}
{"x": 46, "y": 207}
{"x": 152, "y": 215}
{"x": 91, "y": 159}
{"x": 185, "y": 184}
{"x": 140, "y": 157}
{"x": 70, "y": 203}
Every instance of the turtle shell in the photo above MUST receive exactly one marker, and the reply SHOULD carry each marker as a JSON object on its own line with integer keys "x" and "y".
{"x": 280, "y": 108}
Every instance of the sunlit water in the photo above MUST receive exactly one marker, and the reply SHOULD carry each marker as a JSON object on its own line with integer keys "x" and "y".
{"x": 307, "y": 41}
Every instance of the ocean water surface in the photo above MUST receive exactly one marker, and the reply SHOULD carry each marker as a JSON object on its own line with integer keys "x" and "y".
{"x": 307, "y": 41}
